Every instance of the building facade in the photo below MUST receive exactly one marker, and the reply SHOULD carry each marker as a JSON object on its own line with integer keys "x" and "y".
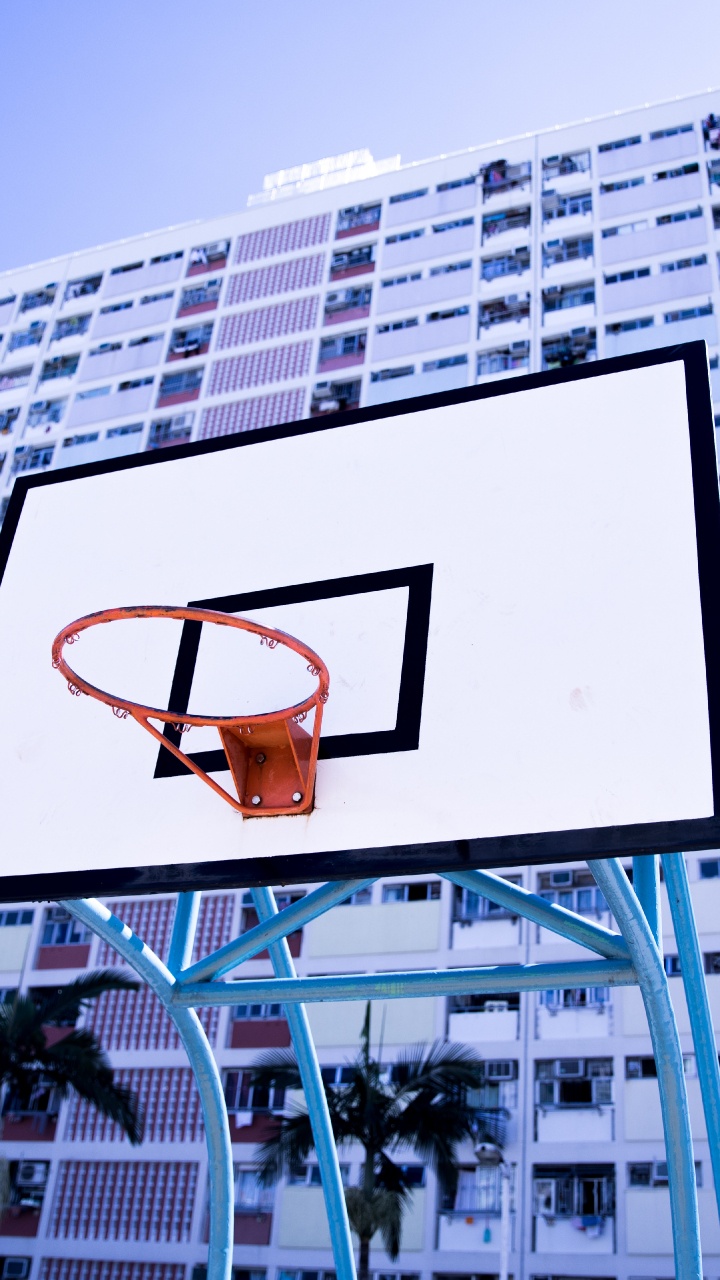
{"x": 353, "y": 283}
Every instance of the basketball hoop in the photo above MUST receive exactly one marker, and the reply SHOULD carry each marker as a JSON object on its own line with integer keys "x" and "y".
{"x": 271, "y": 757}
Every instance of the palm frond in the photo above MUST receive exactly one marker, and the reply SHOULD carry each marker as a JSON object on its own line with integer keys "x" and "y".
{"x": 67, "y": 1001}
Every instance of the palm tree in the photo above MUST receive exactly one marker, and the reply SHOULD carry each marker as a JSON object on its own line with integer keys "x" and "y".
{"x": 32, "y": 1064}
{"x": 421, "y": 1106}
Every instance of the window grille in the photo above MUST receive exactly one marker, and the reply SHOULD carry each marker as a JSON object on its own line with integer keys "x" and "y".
{"x": 250, "y": 414}
{"x": 128, "y": 1200}
{"x": 281, "y": 277}
{"x": 282, "y": 239}
{"x": 273, "y": 364}
{"x": 168, "y": 1097}
{"x": 268, "y": 322}
{"x": 108, "y": 1269}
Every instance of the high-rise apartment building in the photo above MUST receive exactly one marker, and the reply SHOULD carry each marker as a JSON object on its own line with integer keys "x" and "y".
{"x": 352, "y": 283}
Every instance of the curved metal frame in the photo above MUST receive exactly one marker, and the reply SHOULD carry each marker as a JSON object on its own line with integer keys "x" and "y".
{"x": 622, "y": 959}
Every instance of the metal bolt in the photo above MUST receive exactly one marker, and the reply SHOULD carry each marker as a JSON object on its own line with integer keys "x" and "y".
{"x": 260, "y": 757}
{"x": 297, "y": 797}
{"x": 256, "y": 800}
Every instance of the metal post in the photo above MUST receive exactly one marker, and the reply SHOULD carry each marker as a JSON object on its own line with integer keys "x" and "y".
{"x": 671, "y": 1079}
{"x": 266, "y": 908}
{"x": 505, "y": 1176}
{"x": 183, "y": 934}
{"x": 646, "y": 883}
{"x": 693, "y": 977}
{"x": 207, "y": 1077}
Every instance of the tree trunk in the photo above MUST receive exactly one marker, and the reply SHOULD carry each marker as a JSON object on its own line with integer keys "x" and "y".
{"x": 364, "y": 1260}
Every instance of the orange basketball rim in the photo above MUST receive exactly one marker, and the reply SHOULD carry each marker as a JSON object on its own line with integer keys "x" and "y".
{"x": 271, "y": 757}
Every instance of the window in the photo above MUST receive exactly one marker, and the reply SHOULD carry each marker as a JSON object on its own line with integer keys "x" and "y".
{"x": 82, "y": 288}
{"x": 445, "y": 362}
{"x": 622, "y": 142}
{"x": 8, "y": 418}
{"x": 8, "y": 300}
{"x": 514, "y": 307}
{"x": 185, "y": 384}
{"x": 484, "y": 1003}
{"x": 450, "y": 266}
{"x": 8, "y": 919}
{"x": 682, "y": 215}
{"x": 570, "y": 206}
{"x": 564, "y": 1191}
{"x": 360, "y": 898}
{"x": 131, "y": 429}
{"x": 60, "y": 929}
{"x": 93, "y": 393}
{"x": 386, "y": 375}
{"x": 133, "y": 384}
{"x": 38, "y": 298}
{"x": 495, "y": 224}
{"x": 654, "y": 1173}
{"x": 242, "y": 1095}
{"x": 714, "y": 176}
{"x": 13, "y": 379}
{"x": 409, "y": 195}
{"x": 712, "y": 962}
{"x": 185, "y": 343}
{"x": 502, "y": 359}
{"x": 166, "y": 431}
{"x": 256, "y": 1011}
{"x": 622, "y": 184}
{"x": 166, "y": 257}
{"x": 405, "y": 235}
{"x": 640, "y": 1068}
{"x": 576, "y": 998}
{"x": 358, "y": 217}
{"x": 637, "y": 273}
{"x": 88, "y": 438}
{"x": 308, "y": 1175}
{"x": 31, "y": 337}
{"x": 627, "y": 326}
{"x": 130, "y": 266}
{"x": 507, "y": 264}
{"x": 574, "y": 1082}
{"x": 105, "y": 348}
{"x": 455, "y": 183}
{"x": 500, "y": 175}
{"x": 710, "y": 869}
{"x": 565, "y": 351}
{"x": 349, "y": 344}
{"x": 393, "y": 280}
{"x": 670, "y": 133}
{"x": 45, "y": 413}
{"x": 571, "y": 250}
{"x": 560, "y": 166}
{"x": 410, "y": 322}
{"x": 573, "y": 295}
{"x": 439, "y": 227}
{"x": 682, "y": 264}
{"x": 146, "y": 339}
{"x": 115, "y": 306}
{"x": 469, "y": 906}
{"x": 160, "y": 297}
{"x": 478, "y": 1191}
{"x": 352, "y": 299}
{"x": 311, "y": 1275}
{"x": 688, "y": 313}
{"x": 711, "y": 132}
{"x": 424, "y": 891}
{"x": 208, "y": 257}
{"x": 32, "y": 458}
{"x": 250, "y": 1196}
{"x": 70, "y": 328}
{"x": 664, "y": 174}
{"x": 626, "y": 228}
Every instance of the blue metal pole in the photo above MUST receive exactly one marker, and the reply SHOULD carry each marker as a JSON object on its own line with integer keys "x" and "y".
{"x": 266, "y": 907}
{"x": 548, "y": 914}
{"x": 183, "y": 934}
{"x": 429, "y": 982}
{"x": 703, "y": 1034}
{"x": 217, "y": 1130}
{"x": 671, "y": 1077}
{"x": 646, "y": 883}
{"x": 279, "y": 926}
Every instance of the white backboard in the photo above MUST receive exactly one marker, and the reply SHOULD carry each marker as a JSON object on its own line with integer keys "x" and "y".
{"x": 512, "y": 588}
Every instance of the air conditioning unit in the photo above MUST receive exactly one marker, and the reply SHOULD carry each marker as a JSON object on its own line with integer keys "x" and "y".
{"x": 496, "y": 1006}
{"x": 544, "y": 1196}
{"x": 32, "y": 1173}
{"x": 16, "y": 1268}
{"x": 570, "y": 1068}
{"x": 243, "y": 1118}
{"x": 558, "y": 878}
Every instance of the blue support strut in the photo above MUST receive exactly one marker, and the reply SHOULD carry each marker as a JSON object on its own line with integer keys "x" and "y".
{"x": 266, "y": 908}
{"x": 693, "y": 977}
{"x": 652, "y": 980}
{"x": 207, "y": 1077}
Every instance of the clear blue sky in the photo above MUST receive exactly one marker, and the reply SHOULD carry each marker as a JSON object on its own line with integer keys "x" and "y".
{"x": 120, "y": 116}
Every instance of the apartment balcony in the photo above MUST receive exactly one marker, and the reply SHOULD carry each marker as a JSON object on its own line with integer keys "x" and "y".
{"x": 483, "y": 1026}
{"x": 143, "y": 277}
{"x": 555, "y": 1235}
{"x": 642, "y": 154}
{"x": 108, "y": 364}
{"x": 650, "y": 195}
{"x": 665, "y": 286}
{"x": 505, "y": 229}
{"x": 473, "y": 1231}
{"x": 434, "y": 204}
{"x": 442, "y": 287}
{"x": 657, "y": 239}
{"x": 695, "y": 329}
{"x": 575, "y": 1124}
